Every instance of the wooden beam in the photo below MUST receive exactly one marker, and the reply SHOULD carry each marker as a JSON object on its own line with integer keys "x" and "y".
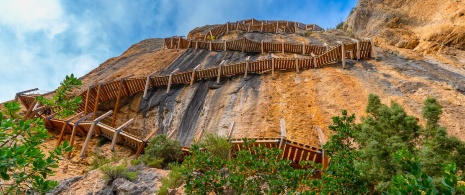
{"x": 117, "y": 131}
{"x": 65, "y": 125}
{"x": 210, "y": 45}
{"x": 193, "y": 75}
{"x": 170, "y": 80}
{"x": 326, "y": 46}
{"x": 118, "y": 97}
{"x": 282, "y": 46}
{"x": 91, "y": 131}
{"x": 97, "y": 98}
{"x": 296, "y": 63}
{"x": 246, "y": 66}
{"x": 314, "y": 60}
{"x": 73, "y": 133}
{"x": 34, "y": 103}
{"x": 196, "y": 44}
{"x": 357, "y": 43}
{"x": 272, "y": 65}
{"x": 225, "y": 46}
{"x": 283, "y": 133}
{"x": 262, "y": 48}
{"x": 219, "y": 72}
{"x": 147, "y": 84}
{"x": 243, "y": 44}
{"x": 343, "y": 53}
{"x": 23, "y": 92}
{"x": 303, "y": 48}
{"x": 231, "y": 129}
{"x": 87, "y": 99}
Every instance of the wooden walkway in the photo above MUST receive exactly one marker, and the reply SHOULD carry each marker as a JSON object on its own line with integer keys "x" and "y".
{"x": 86, "y": 123}
{"x": 254, "y": 25}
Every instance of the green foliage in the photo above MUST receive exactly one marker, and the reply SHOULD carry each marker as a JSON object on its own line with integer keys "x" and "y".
{"x": 99, "y": 159}
{"x": 136, "y": 162}
{"x": 161, "y": 151}
{"x": 341, "y": 176}
{"x": 258, "y": 170}
{"x": 61, "y": 101}
{"x": 114, "y": 172}
{"x": 24, "y": 167}
{"x": 173, "y": 180}
{"x": 415, "y": 181}
{"x": 383, "y": 132}
{"x": 216, "y": 145}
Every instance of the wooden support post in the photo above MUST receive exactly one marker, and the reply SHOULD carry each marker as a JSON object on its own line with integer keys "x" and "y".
{"x": 262, "y": 47}
{"x": 246, "y": 66}
{"x": 65, "y": 125}
{"x": 283, "y": 132}
{"x": 272, "y": 66}
{"x": 326, "y": 46}
{"x": 306, "y": 27}
{"x": 87, "y": 100}
{"x": 313, "y": 27}
{"x": 343, "y": 54}
{"x": 172, "y": 42}
{"x": 243, "y": 44}
{"x": 97, "y": 98}
{"x": 261, "y": 29}
{"x": 193, "y": 75}
{"x": 219, "y": 72}
{"x": 196, "y": 44}
{"x": 147, "y": 84}
{"x": 31, "y": 107}
{"x": 190, "y": 43}
{"x": 210, "y": 46}
{"x": 296, "y": 64}
{"x": 179, "y": 44}
{"x": 120, "y": 89}
{"x": 91, "y": 131}
{"x": 282, "y": 46}
{"x": 373, "y": 50}
{"x": 303, "y": 48}
{"x": 225, "y": 46}
{"x": 144, "y": 142}
{"x": 73, "y": 133}
{"x": 170, "y": 80}
{"x": 314, "y": 60}
{"x": 227, "y": 26}
{"x": 117, "y": 131}
{"x": 230, "y": 131}
{"x": 357, "y": 49}
{"x": 277, "y": 26}
{"x": 248, "y": 28}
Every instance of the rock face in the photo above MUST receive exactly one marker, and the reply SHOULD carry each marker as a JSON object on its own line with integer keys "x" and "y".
{"x": 428, "y": 26}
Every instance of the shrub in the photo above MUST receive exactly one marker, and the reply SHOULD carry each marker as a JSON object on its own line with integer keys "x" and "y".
{"x": 100, "y": 159}
{"x": 24, "y": 167}
{"x": 340, "y": 26}
{"x": 114, "y": 172}
{"x": 216, "y": 145}
{"x": 173, "y": 180}
{"x": 161, "y": 151}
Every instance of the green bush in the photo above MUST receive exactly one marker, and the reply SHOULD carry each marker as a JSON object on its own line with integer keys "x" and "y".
{"x": 99, "y": 159}
{"x": 173, "y": 180}
{"x": 216, "y": 145}
{"x": 161, "y": 151}
{"x": 340, "y": 26}
{"x": 114, "y": 172}
{"x": 24, "y": 167}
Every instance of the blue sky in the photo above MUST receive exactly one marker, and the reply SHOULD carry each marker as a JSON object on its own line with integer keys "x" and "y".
{"x": 41, "y": 41}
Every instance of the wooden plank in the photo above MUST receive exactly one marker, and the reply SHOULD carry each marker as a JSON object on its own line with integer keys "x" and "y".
{"x": 230, "y": 131}
{"x": 219, "y": 72}
{"x": 343, "y": 53}
{"x": 246, "y": 66}
{"x": 296, "y": 63}
{"x": 117, "y": 131}
{"x": 87, "y": 99}
{"x": 73, "y": 132}
{"x": 147, "y": 84}
{"x": 120, "y": 87}
{"x": 170, "y": 80}
{"x": 97, "y": 99}
{"x": 91, "y": 131}
{"x": 272, "y": 66}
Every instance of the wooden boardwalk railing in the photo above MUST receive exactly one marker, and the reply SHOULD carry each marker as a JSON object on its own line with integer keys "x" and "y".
{"x": 253, "y": 25}
{"x": 316, "y": 56}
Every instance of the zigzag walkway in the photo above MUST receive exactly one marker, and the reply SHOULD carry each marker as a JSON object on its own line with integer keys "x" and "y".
{"x": 114, "y": 90}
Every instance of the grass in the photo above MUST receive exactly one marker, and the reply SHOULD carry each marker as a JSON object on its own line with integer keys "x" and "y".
{"x": 173, "y": 180}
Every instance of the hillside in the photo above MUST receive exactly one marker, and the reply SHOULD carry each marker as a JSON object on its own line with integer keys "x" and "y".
{"x": 412, "y": 65}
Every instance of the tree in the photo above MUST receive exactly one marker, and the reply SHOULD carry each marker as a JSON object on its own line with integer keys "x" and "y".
{"x": 341, "y": 176}
{"x": 24, "y": 167}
